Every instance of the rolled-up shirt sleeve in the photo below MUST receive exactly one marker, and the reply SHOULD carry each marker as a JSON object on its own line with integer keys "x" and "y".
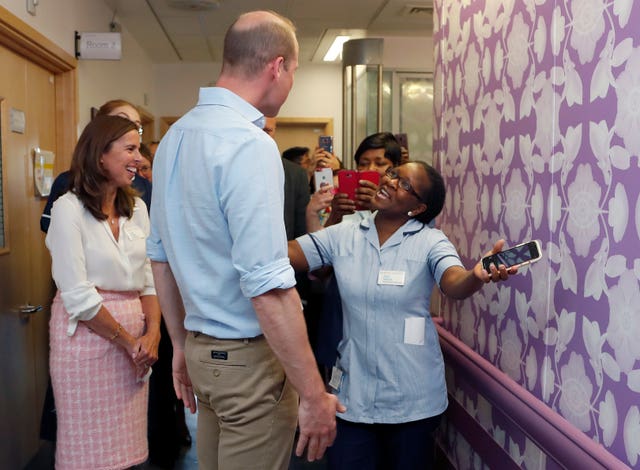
{"x": 252, "y": 199}
{"x": 64, "y": 240}
{"x": 149, "y": 286}
{"x": 277, "y": 275}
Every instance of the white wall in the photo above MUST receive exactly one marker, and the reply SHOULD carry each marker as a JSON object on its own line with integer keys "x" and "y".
{"x": 98, "y": 80}
{"x": 176, "y": 85}
{"x": 317, "y": 91}
{"x": 408, "y": 54}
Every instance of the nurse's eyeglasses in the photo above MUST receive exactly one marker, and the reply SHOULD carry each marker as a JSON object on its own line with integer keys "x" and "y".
{"x": 403, "y": 183}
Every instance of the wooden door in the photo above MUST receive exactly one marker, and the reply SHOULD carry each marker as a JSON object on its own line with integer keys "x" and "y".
{"x": 301, "y": 132}
{"x": 37, "y": 81}
{"x": 25, "y": 264}
{"x": 148, "y": 123}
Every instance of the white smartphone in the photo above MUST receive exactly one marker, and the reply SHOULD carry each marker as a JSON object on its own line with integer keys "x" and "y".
{"x": 323, "y": 177}
{"x": 519, "y": 255}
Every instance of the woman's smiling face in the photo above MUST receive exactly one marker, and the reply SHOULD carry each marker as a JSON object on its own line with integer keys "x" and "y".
{"x": 394, "y": 198}
{"x": 121, "y": 160}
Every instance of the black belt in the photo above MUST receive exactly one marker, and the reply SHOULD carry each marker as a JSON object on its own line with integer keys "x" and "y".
{"x": 245, "y": 340}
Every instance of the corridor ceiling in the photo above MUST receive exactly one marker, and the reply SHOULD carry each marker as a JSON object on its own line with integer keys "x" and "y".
{"x": 174, "y": 31}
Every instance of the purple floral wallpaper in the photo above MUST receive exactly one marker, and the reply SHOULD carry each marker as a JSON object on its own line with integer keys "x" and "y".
{"x": 537, "y": 107}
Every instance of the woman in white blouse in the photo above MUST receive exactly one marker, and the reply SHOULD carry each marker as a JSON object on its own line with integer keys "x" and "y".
{"x": 105, "y": 318}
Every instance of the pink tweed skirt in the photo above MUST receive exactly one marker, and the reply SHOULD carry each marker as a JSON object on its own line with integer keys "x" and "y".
{"x": 101, "y": 407}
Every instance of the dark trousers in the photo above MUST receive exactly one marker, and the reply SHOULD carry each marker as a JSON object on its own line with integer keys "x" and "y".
{"x": 405, "y": 446}
{"x": 167, "y": 428}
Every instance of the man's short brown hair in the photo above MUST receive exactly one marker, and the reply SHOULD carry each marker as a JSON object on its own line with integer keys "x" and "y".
{"x": 250, "y": 49}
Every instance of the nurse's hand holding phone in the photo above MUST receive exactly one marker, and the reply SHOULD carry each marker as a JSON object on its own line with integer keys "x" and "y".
{"x": 359, "y": 186}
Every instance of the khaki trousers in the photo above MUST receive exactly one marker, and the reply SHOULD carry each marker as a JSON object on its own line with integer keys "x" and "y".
{"x": 247, "y": 409}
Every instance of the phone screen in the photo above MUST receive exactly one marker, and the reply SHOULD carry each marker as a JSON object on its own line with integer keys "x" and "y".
{"x": 325, "y": 142}
{"x": 516, "y": 256}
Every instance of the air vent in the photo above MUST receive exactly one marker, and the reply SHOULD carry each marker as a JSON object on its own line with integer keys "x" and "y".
{"x": 194, "y": 5}
{"x": 418, "y": 9}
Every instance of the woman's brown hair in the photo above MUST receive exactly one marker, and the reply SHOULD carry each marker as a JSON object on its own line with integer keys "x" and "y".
{"x": 109, "y": 106}
{"x": 88, "y": 178}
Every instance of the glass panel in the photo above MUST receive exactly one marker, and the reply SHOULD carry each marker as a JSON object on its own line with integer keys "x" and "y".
{"x": 387, "y": 101}
{"x": 365, "y": 97}
{"x": 416, "y": 114}
{"x": 347, "y": 118}
{"x": 372, "y": 101}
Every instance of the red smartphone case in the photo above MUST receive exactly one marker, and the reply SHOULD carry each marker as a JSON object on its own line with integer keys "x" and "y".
{"x": 369, "y": 175}
{"x": 348, "y": 181}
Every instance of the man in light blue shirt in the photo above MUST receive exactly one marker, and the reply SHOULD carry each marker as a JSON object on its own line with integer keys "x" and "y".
{"x": 219, "y": 255}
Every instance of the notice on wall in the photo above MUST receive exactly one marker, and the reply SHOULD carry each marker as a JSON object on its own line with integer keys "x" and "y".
{"x": 16, "y": 121}
{"x": 43, "y": 171}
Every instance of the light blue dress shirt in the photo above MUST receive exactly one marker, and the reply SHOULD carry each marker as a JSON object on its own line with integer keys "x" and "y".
{"x": 216, "y": 213}
{"x": 386, "y": 380}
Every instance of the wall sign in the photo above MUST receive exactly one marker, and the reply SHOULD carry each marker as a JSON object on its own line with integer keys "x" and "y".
{"x": 16, "y": 121}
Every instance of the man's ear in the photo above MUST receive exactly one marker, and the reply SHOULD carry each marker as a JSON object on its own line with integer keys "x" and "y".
{"x": 277, "y": 66}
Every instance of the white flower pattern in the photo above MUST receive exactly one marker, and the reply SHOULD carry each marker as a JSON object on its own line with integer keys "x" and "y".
{"x": 584, "y": 199}
{"x": 550, "y": 123}
{"x": 587, "y": 26}
{"x": 575, "y": 393}
{"x": 628, "y": 103}
{"x": 623, "y": 330}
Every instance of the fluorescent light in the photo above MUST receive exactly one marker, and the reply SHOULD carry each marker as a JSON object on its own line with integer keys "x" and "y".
{"x": 336, "y": 48}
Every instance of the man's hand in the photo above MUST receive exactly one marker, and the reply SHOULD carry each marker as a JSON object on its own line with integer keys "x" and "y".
{"x": 181, "y": 381}
{"x": 317, "y": 422}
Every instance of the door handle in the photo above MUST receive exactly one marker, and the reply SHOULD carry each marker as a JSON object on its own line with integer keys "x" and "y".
{"x": 29, "y": 309}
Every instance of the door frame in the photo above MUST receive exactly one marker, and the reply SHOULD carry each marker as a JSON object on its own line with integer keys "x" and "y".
{"x": 30, "y": 46}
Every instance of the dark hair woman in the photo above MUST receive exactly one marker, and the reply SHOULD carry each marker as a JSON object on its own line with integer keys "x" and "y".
{"x": 389, "y": 371}
{"x": 105, "y": 318}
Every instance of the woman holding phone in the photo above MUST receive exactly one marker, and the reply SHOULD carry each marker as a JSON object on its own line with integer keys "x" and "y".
{"x": 390, "y": 371}
{"x": 376, "y": 153}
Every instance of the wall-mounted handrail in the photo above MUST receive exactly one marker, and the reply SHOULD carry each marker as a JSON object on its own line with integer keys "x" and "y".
{"x": 556, "y": 436}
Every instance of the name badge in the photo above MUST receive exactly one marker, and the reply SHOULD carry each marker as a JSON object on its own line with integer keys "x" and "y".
{"x": 391, "y": 278}
{"x": 336, "y": 379}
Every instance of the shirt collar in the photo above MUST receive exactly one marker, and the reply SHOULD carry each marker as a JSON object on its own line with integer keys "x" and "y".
{"x": 410, "y": 227}
{"x": 225, "y": 97}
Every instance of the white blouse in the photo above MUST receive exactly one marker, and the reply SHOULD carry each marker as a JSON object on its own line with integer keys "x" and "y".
{"x": 87, "y": 257}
